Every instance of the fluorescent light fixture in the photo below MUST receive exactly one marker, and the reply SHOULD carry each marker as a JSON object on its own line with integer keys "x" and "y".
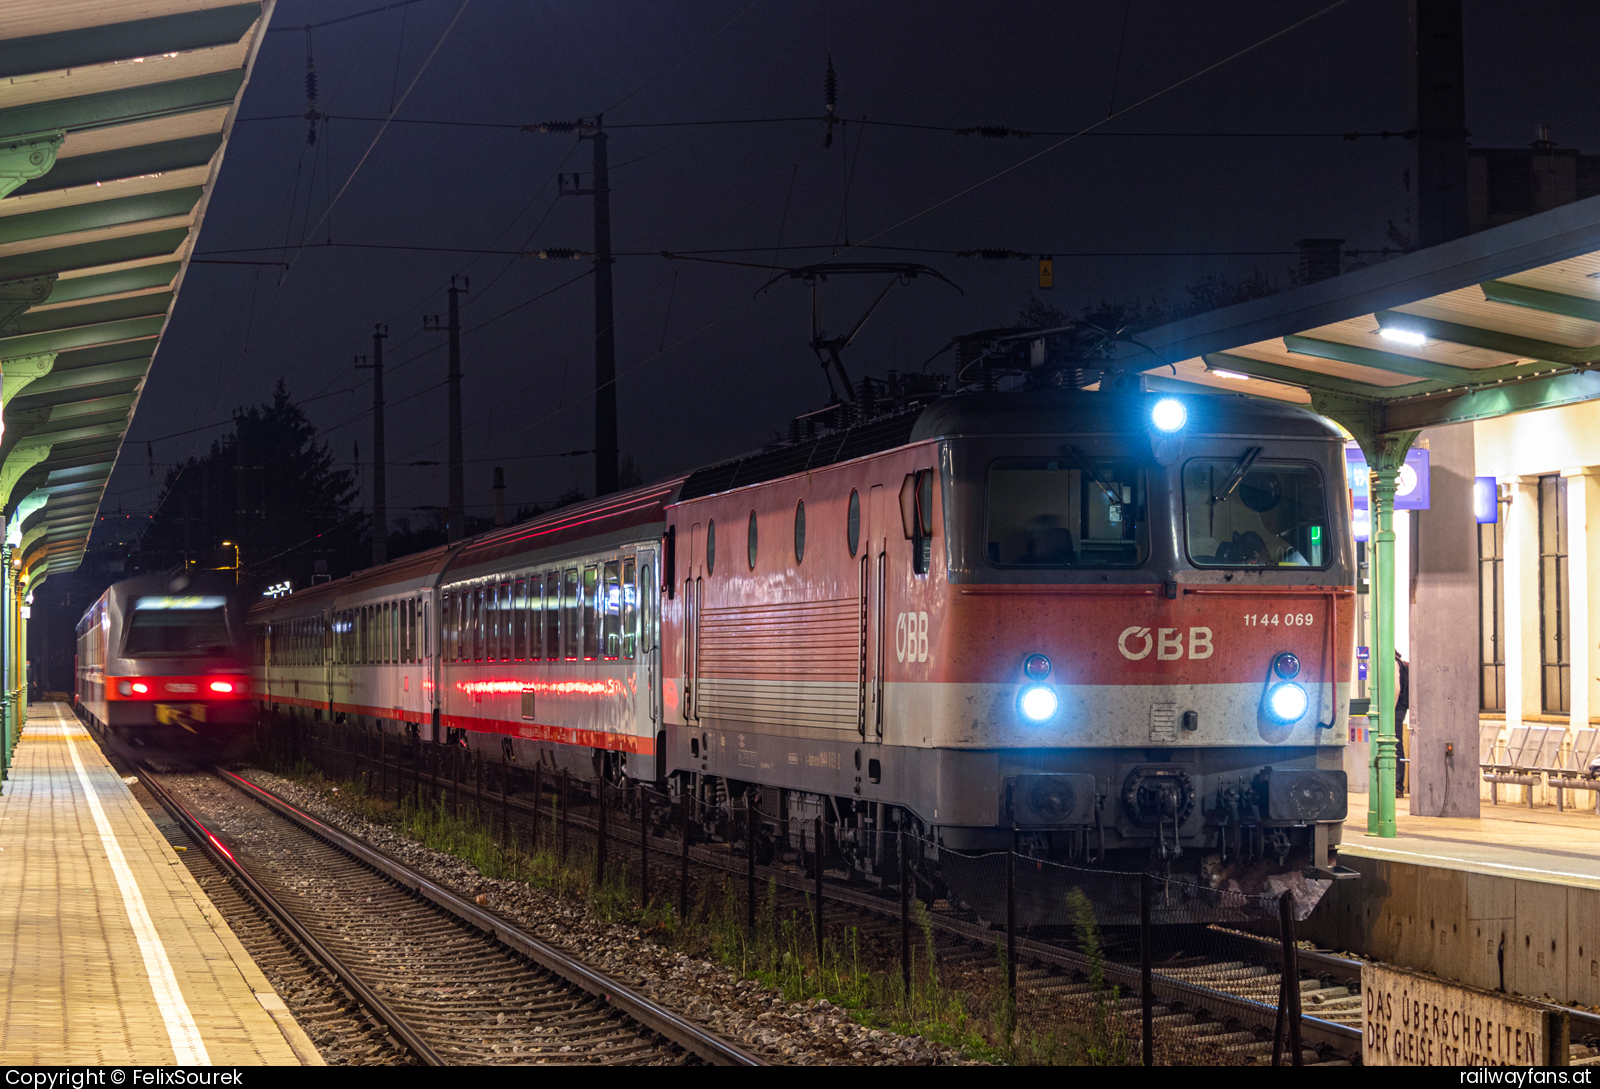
{"x": 1232, "y": 374}
{"x": 1409, "y": 337}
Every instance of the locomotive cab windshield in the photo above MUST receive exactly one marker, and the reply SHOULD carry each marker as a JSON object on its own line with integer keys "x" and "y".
{"x": 1250, "y": 513}
{"x": 178, "y": 627}
{"x": 1067, "y": 513}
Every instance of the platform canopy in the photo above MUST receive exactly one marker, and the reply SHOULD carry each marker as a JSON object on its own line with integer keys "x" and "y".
{"x": 1506, "y": 320}
{"x": 1503, "y": 321}
{"x": 114, "y": 115}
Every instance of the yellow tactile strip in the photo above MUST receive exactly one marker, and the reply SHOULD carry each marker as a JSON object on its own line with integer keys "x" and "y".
{"x": 80, "y": 971}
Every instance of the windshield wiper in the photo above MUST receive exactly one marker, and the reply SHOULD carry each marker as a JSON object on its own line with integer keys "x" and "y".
{"x": 1240, "y": 467}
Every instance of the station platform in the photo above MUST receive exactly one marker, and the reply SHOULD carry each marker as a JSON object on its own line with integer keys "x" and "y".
{"x": 1508, "y": 900}
{"x": 110, "y": 953}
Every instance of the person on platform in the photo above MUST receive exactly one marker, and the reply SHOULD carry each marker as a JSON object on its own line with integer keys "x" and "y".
{"x": 1402, "y": 704}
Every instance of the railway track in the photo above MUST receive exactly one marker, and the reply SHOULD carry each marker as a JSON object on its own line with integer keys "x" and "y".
{"x": 1225, "y": 1002}
{"x": 452, "y": 983}
{"x": 1226, "y": 1005}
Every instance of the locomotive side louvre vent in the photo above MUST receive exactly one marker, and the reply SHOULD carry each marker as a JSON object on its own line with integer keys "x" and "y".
{"x": 1163, "y": 722}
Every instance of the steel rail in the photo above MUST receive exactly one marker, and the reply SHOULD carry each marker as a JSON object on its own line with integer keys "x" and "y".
{"x": 681, "y": 1031}
{"x": 286, "y": 919}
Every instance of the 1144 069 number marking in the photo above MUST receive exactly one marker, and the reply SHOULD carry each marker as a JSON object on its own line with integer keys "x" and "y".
{"x": 1273, "y": 620}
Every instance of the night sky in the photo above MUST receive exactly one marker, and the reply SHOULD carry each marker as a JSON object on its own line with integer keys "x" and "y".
{"x": 706, "y": 369}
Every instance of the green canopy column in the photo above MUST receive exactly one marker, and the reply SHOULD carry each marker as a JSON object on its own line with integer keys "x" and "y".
{"x": 1386, "y": 453}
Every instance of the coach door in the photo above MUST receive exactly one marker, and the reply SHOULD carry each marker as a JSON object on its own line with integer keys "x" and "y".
{"x": 692, "y": 587}
{"x": 647, "y": 706}
{"x": 877, "y": 554}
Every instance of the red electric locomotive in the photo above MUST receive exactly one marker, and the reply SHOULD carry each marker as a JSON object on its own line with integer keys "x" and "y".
{"x": 164, "y": 659}
{"x": 1116, "y": 620}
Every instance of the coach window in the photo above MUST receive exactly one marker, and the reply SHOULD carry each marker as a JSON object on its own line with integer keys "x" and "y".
{"x": 591, "y": 608}
{"x": 391, "y": 629}
{"x": 611, "y": 611}
{"x": 711, "y": 547}
{"x": 536, "y": 618}
{"x": 361, "y": 635}
{"x": 630, "y": 610}
{"x": 411, "y": 629}
{"x": 491, "y": 623}
{"x": 519, "y": 619}
{"x": 508, "y": 621}
{"x": 800, "y": 531}
{"x": 552, "y": 616}
{"x": 852, "y": 522}
{"x": 571, "y": 608}
{"x": 463, "y": 639}
{"x": 447, "y": 642}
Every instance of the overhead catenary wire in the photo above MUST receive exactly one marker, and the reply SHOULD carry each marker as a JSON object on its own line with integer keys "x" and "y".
{"x": 954, "y": 130}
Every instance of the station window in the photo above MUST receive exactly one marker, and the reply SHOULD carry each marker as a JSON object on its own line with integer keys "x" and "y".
{"x": 1555, "y": 598}
{"x": 552, "y": 615}
{"x": 1065, "y": 512}
{"x": 570, "y": 607}
{"x": 630, "y": 610}
{"x": 1240, "y": 512}
{"x": 611, "y": 611}
{"x": 591, "y": 609}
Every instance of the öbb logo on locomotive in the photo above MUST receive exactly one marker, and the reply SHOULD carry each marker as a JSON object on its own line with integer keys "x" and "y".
{"x": 931, "y": 665}
{"x": 1136, "y": 643}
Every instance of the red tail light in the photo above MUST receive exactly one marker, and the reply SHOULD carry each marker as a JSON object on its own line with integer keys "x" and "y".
{"x": 140, "y": 687}
{"x": 221, "y": 686}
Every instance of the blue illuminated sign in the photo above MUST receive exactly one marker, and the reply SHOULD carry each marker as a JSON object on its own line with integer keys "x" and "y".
{"x": 1485, "y": 500}
{"x": 1412, "y": 491}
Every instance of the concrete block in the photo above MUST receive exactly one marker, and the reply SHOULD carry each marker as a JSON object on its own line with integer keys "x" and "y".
{"x": 1539, "y": 968}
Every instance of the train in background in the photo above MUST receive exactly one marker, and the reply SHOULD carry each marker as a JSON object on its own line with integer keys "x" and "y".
{"x": 1112, "y": 623}
{"x": 163, "y": 659}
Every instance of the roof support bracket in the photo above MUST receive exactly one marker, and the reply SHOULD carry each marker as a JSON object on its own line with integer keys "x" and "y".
{"x": 20, "y": 371}
{"x": 18, "y": 295}
{"x": 17, "y": 463}
{"x": 23, "y": 158}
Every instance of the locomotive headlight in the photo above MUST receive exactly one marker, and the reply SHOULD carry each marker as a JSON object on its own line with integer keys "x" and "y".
{"x": 1287, "y": 702}
{"x": 125, "y": 688}
{"x": 1286, "y": 665}
{"x": 1037, "y": 702}
{"x": 1036, "y": 667}
{"x": 1169, "y": 415}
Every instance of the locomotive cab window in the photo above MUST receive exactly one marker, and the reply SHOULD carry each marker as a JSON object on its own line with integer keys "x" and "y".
{"x": 171, "y": 627}
{"x": 1240, "y": 512}
{"x": 1055, "y": 513}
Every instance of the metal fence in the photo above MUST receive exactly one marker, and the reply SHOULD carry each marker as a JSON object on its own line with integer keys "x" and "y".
{"x": 1125, "y": 967}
